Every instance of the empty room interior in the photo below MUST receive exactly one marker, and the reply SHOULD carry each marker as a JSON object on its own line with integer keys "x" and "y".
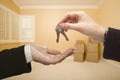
{"x": 25, "y": 22}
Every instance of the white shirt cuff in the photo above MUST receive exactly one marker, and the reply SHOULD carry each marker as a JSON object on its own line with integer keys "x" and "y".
{"x": 28, "y": 53}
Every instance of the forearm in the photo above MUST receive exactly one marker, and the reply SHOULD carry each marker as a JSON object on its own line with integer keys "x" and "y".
{"x": 13, "y": 62}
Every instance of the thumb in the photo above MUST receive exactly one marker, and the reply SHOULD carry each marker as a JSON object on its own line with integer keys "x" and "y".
{"x": 73, "y": 26}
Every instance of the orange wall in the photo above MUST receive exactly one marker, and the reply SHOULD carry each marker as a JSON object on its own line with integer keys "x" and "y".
{"x": 10, "y": 4}
{"x": 110, "y": 13}
{"x": 46, "y": 20}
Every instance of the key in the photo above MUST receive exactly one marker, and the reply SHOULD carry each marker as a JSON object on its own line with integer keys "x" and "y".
{"x": 58, "y": 31}
{"x": 63, "y": 33}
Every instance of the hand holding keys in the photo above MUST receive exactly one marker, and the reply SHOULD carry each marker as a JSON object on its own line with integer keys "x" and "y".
{"x": 58, "y": 31}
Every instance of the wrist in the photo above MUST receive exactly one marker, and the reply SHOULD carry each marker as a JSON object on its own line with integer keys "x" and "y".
{"x": 99, "y": 33}
{"x": 102, "y": 33}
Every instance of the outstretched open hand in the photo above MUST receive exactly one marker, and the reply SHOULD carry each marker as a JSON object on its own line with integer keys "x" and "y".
{"x": 48, "y": 56}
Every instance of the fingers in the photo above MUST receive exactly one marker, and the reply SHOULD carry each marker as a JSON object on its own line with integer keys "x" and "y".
{"x": 64, "y": 19}
{"x": 53, "y": 52}
{"x": 72, "y": 17}
{"x": 69, "y": 17}
{"x": 70, "y": 20}
{"x": 73, "y": 26}
{"x": 60, "y": 57}
{"x": 66, "y": 54}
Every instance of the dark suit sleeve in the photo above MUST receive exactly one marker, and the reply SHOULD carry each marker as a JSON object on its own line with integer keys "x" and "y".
{"x": 112, "y": 45}
{"x": 13, "y": 62}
